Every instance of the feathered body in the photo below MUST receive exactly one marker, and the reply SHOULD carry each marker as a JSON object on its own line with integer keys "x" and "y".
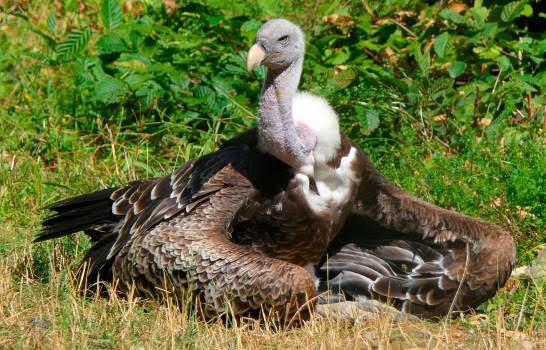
{"x": 234, "y": 225}
{"x": 240, "y": 224}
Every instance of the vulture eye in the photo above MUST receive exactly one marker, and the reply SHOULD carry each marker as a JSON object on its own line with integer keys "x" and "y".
{"x": 283, "y": 39}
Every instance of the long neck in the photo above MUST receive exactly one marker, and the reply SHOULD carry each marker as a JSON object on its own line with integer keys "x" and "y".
{"x": 276, "y": 125}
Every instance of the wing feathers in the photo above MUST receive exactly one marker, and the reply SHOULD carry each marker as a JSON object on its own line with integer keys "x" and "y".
{"x": 431, "y": 253}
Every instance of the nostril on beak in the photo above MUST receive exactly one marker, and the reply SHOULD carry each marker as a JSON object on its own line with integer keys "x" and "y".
{"x": 262, "y": 44}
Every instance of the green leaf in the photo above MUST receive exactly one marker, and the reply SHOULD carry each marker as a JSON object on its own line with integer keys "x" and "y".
{"x": 372, "y": 119}
{"x": 111, "y": 14}
{"x": 453, "y": 16}
{"x": 108, "y": 90}
{"x": 490, "y": 30}
{"x": 136, "y": 81}
{"x": 249, "y": 29}
{"x": 527, "y": 10}
{"x": 207, "y": 95}
{"x": 478, "y": 16}
{"x": 73, "y": 44}
{"x": 51, "y": 22}
{"x": 110, "y": 43}
{"x": 512, "y": 11}
{"x": 456, "y": 69}
{"x": 272, "y": 8}
{"x": 179, "y": 79}
{"x": 490, "y": 52}
{"x": 134, "y": 62}
{"x": 367, "y": 118}
{"x": 504, "y": 63}
{"x": 423, "y": 60}
{"x": 339, "y": 57}
{"x": 541, "y": 47}
{"x": 524, "y": 82}
{"x": 344, "y": 78}
{"x": 150, "y": 90}
{"x": 98, "y": 72}
{"x": 441, "y": 43}
{"x": 82, "y": 66}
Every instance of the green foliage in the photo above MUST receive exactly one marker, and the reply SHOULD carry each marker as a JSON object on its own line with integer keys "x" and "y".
{"x": 111, "y": 14}
{"x": 443, "y": 63}
{"x": 73, "y": 44}
{"x": 465, "y": 77}
{"x": 441, "y": 43}
{"x": 51, "y": 22}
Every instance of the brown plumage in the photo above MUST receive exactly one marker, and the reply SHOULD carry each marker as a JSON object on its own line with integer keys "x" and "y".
{"x": 233, "y": 225}
{"x": 423, "y": 259}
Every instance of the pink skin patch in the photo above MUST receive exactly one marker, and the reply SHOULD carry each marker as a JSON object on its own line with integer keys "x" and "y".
{"x": 307, "y": 136}
{"x": 308, "y": 140}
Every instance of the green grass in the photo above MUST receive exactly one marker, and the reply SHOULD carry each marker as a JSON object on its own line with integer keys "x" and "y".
{"x": 59, "y": 139}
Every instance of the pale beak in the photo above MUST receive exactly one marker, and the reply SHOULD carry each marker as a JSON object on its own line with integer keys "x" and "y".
{"x": 255, "y": 57}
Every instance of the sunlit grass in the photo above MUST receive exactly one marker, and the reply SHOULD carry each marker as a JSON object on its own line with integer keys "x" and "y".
{"x": 54, "y": 315}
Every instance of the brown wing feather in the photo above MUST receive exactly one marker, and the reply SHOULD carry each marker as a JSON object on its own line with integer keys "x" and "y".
{"x": 428, "y": 258}
{"x": 195, "y": 250}
{"x": 147, "y": 203}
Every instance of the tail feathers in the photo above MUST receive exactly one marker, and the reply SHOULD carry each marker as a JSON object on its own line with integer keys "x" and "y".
{"x": 91, "y": 212}
{"x": 82, "y": 200}
{"x": 95, "y": 266}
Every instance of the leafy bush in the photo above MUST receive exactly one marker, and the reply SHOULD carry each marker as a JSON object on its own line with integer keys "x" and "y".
{"x": 441, "y": 68}
{"x": 185, "y": 68}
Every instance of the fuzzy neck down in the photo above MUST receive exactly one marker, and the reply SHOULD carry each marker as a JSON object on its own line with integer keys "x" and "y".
{"x": 276, "y": 126}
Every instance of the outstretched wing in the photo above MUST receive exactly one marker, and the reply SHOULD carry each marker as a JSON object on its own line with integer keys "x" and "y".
{"x": 112, "y": 216}
{"x": 425, "y": 259}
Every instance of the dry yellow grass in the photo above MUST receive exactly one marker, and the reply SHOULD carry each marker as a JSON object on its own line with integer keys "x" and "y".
{"x": 52, "y": 315}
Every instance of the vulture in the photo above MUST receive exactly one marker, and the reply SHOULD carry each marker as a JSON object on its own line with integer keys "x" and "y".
{"x": 281, "y": 213}
{"x": 246, "y": 224}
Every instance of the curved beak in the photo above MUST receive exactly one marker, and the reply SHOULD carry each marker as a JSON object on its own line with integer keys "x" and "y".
{"x": 256, "y": 55}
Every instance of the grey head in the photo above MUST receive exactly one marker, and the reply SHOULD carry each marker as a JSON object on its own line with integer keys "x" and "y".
{"x": 279, "y": 43}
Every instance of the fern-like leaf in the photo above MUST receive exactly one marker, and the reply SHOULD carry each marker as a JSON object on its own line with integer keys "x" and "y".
{"x": 111, "y": 14}
{"x": 207, "y": 95}
{"x": 73, "y": 44}
{"x": 423, "y": 61}
{"x": 51, "y": 22}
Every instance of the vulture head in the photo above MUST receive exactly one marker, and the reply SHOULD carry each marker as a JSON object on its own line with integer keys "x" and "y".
{"x": 279, "y": 43}
{"x": 300, "y": 129}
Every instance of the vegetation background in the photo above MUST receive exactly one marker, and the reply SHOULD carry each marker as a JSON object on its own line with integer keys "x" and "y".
{"x": 447, "y": 98}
